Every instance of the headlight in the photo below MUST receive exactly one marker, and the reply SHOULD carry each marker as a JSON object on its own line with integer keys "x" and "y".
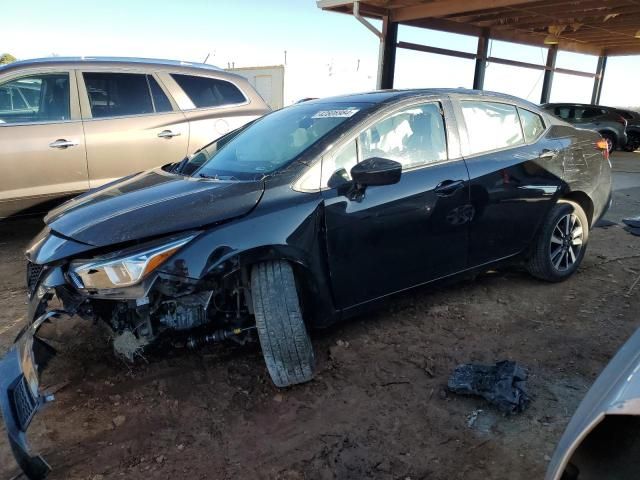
{"x": 123, "y": 270}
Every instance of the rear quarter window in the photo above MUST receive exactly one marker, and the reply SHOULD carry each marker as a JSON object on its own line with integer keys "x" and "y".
{"x": 209, "y": 92}
{"x": 532, "y": 125}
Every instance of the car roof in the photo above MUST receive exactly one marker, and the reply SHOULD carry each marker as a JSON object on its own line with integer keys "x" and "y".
{"x": 110, "y": 61}
{"x": 393, "y": 96}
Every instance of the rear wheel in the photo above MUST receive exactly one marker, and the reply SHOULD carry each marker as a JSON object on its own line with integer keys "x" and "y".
{"x": 561, "y": 243}
{"x": 633, "y": 143}
{"x": 286, "y": 345}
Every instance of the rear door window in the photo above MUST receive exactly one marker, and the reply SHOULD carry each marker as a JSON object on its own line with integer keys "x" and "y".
{"x": 35, "y": 99}
{"x": 209, "y": 92}
{"x": 113, "y": 94}
{"x": 491, "y": 126}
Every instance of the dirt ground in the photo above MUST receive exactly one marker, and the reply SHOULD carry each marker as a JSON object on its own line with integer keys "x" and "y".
{"x": 378, "y": 407}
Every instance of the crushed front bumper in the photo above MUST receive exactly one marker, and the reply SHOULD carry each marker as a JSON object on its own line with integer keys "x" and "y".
{"x": 20, "y": 396}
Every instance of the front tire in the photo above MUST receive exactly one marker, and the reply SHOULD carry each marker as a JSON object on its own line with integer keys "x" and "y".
{"x": 561, "y": 243}
{"x": 286, "y": 345}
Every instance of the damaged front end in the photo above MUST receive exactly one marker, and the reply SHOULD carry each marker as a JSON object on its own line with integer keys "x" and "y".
{"x": 20, "y": 370}
{"x": 142, "y": 293}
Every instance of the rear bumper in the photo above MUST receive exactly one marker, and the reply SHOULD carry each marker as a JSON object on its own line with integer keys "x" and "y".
{"x": 20, "y": 396}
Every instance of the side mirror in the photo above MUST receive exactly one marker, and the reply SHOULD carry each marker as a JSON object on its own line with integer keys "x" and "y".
{"x": 376, "y": 171}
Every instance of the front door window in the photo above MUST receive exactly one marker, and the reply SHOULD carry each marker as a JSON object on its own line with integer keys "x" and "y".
{"x": 35, "y": 99}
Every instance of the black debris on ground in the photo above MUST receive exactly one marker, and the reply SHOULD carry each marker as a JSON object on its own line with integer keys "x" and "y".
{"x": 633, "y": 231}
{"x": 604, "y": 223}
{"x": 632, "y": 222}
{"x": 503, "y": 384}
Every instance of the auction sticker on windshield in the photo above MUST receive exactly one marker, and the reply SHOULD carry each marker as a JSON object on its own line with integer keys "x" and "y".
{"x": 346, "y": 113}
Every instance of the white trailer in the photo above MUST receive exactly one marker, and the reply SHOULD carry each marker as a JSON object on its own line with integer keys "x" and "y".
{"x": 268, "y": 81}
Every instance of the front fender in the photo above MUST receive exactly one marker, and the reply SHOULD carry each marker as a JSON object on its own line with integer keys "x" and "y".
{"x": 294, "y": 233}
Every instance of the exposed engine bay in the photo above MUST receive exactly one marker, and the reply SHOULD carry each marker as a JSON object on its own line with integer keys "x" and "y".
{"x": 176, "y": 313}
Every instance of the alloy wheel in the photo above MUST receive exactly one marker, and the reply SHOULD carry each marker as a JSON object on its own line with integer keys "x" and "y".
{"x": 566, "y": 242}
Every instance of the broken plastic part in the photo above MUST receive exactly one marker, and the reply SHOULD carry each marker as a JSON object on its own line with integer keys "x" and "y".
{"x": 502, "y": 384}
{"x": 128, "y": 345}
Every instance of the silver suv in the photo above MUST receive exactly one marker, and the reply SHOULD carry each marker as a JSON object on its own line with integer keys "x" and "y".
{"x": 611, "y": 125}
{"x": 71, "y": 124}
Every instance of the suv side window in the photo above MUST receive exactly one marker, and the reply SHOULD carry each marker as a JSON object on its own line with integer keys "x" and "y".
{"x": 563, "y": 112}
{"x": 532, "y": 125}
{"x": 491, "y": 126}
{"x": 118, "y": 94}
{"x": 160, "y": 101}
{"x": 35, "y": 98}
{"x": 589, "y": 113}
{"x": 209, "y": 92}
{"x": 414, "y": 136}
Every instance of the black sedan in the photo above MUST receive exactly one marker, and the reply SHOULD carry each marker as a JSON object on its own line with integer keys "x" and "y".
{"x": 306, "y": 217}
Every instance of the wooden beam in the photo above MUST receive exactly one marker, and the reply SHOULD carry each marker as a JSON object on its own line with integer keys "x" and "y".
{"x": 584, "y": 26}
{"x": 446, "y": 26}
{"x": 481, "y": 62}
{"x": 388, "y": 67}
{"x": 547, "y": 83}
{"x": 537, "y": 40}
{"x": 599, "y": 80}
{"x": 440, "y": 8}
{"x": 622, "y": 51}
{"x": 437, "y": 50}
{"x": 591, "y": 8}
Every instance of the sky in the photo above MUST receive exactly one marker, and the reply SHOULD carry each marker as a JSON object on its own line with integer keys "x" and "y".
{"x": 326, "y": 53}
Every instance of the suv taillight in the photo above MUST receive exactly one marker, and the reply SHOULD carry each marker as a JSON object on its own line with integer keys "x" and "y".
{"x": 603, "y": 146}
{"x": 621, "y": 120}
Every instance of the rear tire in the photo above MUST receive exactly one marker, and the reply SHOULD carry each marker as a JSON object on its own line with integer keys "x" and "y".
{"x": 561, "y": 243}
{"x": 286, "y": 345}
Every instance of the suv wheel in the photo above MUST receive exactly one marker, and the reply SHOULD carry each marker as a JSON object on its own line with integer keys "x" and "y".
{"x": 286, "y": 345}
{"x": 633, "y": 143}
{"x": 561, "y": 243}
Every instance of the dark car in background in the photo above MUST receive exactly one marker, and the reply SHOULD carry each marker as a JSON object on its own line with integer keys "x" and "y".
{"x": 610, "y": 124}
{"x": 306, "y": 217}
{"x": 633, "y": 128}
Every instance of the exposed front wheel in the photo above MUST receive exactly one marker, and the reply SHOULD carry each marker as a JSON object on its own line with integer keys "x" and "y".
{"x": 286, "y": 345}
{"x": 561, "y": 243}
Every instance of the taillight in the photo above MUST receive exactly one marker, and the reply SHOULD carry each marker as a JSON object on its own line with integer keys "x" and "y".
{"x": 603, "y": 145}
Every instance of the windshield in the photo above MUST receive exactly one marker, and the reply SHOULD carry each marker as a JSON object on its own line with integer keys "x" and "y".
{"x": 271, "y": 142}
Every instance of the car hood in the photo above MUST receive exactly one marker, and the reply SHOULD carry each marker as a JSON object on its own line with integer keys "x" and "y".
{"x": 615, "y": 392}
{"x": 149, "y": 204}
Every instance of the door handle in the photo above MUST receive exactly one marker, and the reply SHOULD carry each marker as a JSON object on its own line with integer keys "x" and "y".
{"x": 448, "y": 187}
{"x": 548, "y": 154}
{"x": 62, "y": 143}
{"x": 168, "y": 134}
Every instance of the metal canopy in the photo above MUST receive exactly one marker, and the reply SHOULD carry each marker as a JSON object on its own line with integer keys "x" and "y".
{"x": 596, "y": 27}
